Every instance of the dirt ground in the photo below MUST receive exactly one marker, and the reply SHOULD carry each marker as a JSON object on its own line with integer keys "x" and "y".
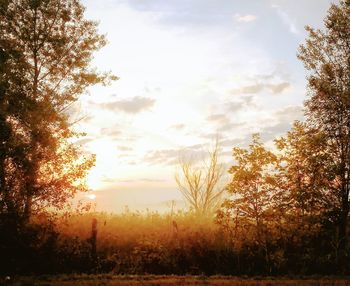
{"x": 110, "y": 280}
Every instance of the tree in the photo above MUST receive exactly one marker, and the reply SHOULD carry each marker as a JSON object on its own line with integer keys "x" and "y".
{"x": 46, "y": 48}
{"x": 249, "y": 215}
{"x": 303, "y": 171}
{"x": 202, "y": 186}
{"x": 12, "y": 93}
{"x": 304, "y": 203}
{"x": 252, "y": 187}
{"x": 326, "y": 55}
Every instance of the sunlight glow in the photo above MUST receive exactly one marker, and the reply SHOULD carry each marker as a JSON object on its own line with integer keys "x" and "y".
{"x": 91, "y": 196}
{"x": 182, "y": 81}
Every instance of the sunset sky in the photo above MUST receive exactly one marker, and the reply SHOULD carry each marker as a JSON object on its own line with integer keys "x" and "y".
{"x": 189, "y": 70}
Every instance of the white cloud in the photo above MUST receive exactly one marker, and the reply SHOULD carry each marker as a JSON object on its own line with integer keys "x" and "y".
{"x": 287, "y": 20}
{"x": 244, "y": 18}
{"x": 134, "y": 105}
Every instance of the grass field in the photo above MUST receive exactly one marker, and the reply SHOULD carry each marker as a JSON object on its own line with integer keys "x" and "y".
{"x": 106, "y": 280}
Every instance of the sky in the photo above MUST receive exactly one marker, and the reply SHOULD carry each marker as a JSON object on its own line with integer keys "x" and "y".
{"x": 190, "y": 71}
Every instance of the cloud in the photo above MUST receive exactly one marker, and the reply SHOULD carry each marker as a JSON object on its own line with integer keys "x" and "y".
{"x": 135, "y": 105}
{"x": 217, "y": 118}
{"x": 87, "y": 118}
{"x": 179, "y": 126}
{"x": 278, "y": 88}
{"x": 194, "y": 153}
{"x": 249, "y": 89}
{"x": 235, "y": 106}
{"x": 244, "y": 18}
{"x": 110, "y": 132}
{"x": 195, "y": 147}
{"x": 229, "y": 126}
{"x": 248, "y": 100}
{"x": 84, "y": 141}
{"x": 286, "y": 19}
{"x": 290, "y": 113}
{"x": 162, "y": 157}
{"x": 124, "y": 148}
{"x": 276, "y": 81}
{"x": 233, "y": 142}
{"x": 144, "y": 180}
{"x": 275, "y": 88}
{"x": 222, "y": 122}
{"x": 280, "y": 122}
{"x": 108, "y": 180}
{"x": 284, "y": 121}
{"x": 212, "y": 136}
{"x": 131, "y": 138}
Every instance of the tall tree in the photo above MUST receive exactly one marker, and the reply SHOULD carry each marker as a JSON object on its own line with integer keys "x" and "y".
{"x": 326, "y": 55}
{"x": 46, "y": 48}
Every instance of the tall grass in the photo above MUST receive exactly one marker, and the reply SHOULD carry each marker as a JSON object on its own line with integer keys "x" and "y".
{"x": 178, "y": 243}
{"x": 148, "y": 242}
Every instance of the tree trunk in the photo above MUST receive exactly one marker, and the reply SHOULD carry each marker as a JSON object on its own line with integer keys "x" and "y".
{"x": 343, "y": 220}
{"x": 28, "y": 208}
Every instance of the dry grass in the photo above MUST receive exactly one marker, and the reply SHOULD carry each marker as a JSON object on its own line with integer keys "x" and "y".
{"x": 173, "y": 243}
{"x": 129, "y": 228}
{"x": 133, "y": 224}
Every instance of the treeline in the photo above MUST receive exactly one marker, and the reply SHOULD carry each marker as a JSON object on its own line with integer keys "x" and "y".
{"x": 283, "y": 210}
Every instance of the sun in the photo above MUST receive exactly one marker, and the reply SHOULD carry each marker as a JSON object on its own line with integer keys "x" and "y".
{"x": 93, "y": 179}
{"x": 91, "y": 196}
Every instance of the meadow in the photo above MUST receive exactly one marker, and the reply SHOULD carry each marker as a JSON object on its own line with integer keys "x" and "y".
{"x": 148, "y": 242}
{"x": 173, "y": 243}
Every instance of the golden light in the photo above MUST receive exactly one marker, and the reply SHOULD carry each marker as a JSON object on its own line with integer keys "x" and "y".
{"x": 106, "y": 155}
{"x": 93, "y": 179}
{"x": 91, "y": 196}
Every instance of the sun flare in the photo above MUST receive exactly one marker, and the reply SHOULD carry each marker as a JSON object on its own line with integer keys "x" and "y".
{"x": 91, "y": 196}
